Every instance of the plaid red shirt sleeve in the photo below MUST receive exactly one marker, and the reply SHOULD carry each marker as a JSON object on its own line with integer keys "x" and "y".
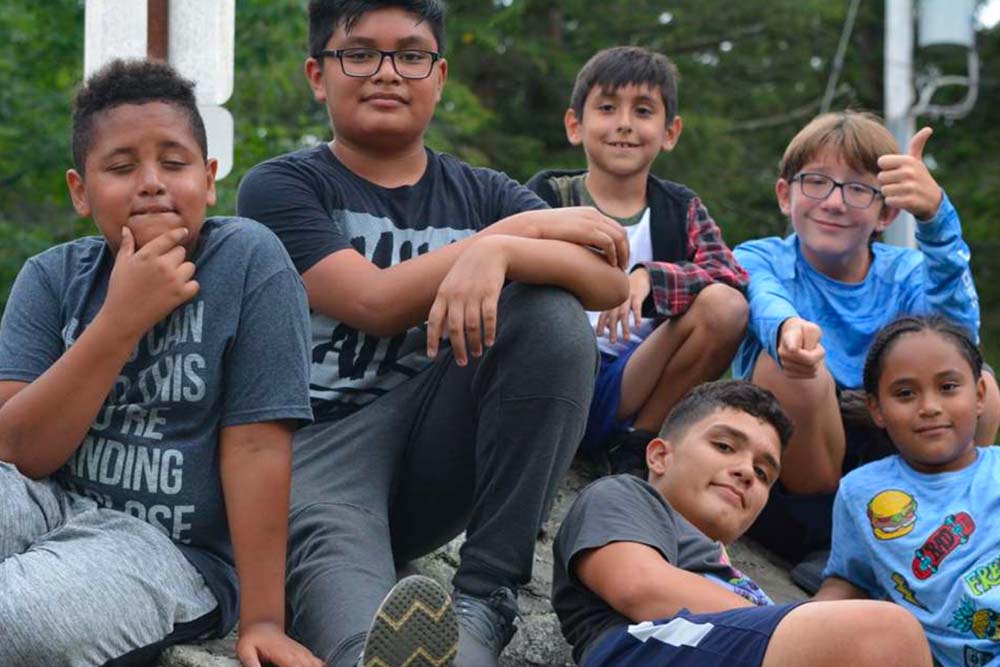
{"x": 676, "y": 284}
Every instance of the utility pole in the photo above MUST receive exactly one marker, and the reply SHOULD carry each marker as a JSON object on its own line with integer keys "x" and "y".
{"x": 197, "y": 37}
{"x": 158, "y": 30}
{"x": 899, "y": 98}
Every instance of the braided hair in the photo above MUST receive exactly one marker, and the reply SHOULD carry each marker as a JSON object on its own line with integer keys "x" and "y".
{"x": 891, "y": 333}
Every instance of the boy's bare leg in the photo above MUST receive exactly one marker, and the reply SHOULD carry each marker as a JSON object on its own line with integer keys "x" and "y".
{"x": 681, "y": 354}
{"x": 989, "y": 421}
{"x": 814, "y": 458}
{"x": 860, "y": 633}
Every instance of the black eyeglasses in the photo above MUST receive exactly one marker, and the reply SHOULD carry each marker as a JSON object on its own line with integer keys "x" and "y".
{"x": 362, "y": 63}
{"x": 819, "y": 186}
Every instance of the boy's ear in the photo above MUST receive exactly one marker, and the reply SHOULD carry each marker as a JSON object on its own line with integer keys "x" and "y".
{"x": 783, "y": 192}
{"x": 314, "y": 75}
{"x": 875, "y": 410}
{"x": 672, "y": 135}
{"x": 78, "y": 193}
{"x": 980, "y": 393}
{"x": 572, "y": 124}
{"x": 442, "y": 68}
{"x": 885, "y": 217}
{"x": 211, "y": 168}
{"x": 658, "y": 454}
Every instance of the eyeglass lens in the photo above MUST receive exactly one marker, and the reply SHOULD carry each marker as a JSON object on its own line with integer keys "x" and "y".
{"x": 408, "y": 64}
{"x": 819, "y": 186}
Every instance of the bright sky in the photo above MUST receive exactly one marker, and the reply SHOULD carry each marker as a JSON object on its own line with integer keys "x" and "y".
{"x": 989, "y": 15}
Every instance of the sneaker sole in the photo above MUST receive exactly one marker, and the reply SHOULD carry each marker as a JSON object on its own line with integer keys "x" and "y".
{"x": 415, "y": 626}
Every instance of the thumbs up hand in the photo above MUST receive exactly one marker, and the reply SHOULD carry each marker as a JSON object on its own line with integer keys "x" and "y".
{"x": 907, "y": 183}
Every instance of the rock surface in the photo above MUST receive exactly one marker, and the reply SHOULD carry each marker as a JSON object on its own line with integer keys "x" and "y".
{"x": 538, "y": 640}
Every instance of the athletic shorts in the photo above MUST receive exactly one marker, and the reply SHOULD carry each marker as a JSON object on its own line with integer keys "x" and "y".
{"x": 602, "y": 421}
{"x": 732, "y": 638}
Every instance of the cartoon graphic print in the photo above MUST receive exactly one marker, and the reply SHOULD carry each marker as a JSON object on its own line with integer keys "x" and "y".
{"x": 738, "y": 582}
{"x": 984, "y": 578}
{"x": 982, "y": 622}
{"x": 903, "y": 586}
{"x": 976, "y": 658}
{"x": 892, "y": 513}
{"x": 742, "y": 585}
{"x": 955, "y": 531}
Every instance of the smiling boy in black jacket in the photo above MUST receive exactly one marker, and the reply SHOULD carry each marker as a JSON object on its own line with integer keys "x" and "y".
{"x": 685, "y": 314}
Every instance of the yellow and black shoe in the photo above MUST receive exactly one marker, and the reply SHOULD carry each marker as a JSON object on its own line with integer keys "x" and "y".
{"x": 415, "y": 626}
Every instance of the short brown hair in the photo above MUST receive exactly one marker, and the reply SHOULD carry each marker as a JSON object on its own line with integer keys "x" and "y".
{"x": 859, "y": 137}
{"x": 620, "y": 66}
{"x": 739, "y": 395}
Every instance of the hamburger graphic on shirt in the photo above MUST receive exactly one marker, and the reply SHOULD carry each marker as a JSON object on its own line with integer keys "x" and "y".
{"x": 892, "y": 513}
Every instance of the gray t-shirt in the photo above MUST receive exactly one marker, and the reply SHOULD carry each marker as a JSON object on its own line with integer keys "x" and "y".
{"x": 237, "y": 353}
{"x": 624, "y": 508}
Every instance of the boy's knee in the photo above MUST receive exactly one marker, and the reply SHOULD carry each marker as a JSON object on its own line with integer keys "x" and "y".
{"x": 888, "y": 634}
{"x": 548, "y": 321}
{"x": 721, "y": 312}
{"x": 861, "y": 633}
{"x": 723, "y": 303}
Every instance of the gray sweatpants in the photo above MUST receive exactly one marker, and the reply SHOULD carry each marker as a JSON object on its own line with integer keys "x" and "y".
{"x": 480, "y": 449}
{"x": 83, "y": 585}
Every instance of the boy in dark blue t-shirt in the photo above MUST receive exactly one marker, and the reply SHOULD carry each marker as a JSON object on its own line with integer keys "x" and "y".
{"x": 150, "y": 380}
{"x": 416, "y": 441}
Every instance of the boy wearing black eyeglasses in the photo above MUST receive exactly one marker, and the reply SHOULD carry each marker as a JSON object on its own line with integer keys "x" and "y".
{"x": 415, "y": 440}
{"x": 818, "y": 297}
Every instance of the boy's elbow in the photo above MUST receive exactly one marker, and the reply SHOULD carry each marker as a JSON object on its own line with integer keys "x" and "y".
{"x": 371, "y": 316}
{"x": 634, "y": 597}
{"x": 631, "y": 598}
{"x": 370, "y": 312}
{"x": 9, "y": 450}
{"x": 608, "y": 291}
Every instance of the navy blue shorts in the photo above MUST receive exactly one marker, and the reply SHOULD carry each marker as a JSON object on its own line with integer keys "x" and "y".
{"x": 732, "y": 638}
{"x": 602, "y": 421}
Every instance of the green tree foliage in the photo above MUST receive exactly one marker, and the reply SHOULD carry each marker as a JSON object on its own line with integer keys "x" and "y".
{"x": 752, "y": 73}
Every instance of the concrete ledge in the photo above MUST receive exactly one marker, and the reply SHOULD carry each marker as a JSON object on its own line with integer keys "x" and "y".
{"x": 538, "y": 640}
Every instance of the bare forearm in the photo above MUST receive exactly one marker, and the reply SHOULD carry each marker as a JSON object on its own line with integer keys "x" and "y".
{"x": 45, "y": 421}
{"x": 581, "y": 271}
{"x": 636, "y": 580}
{"x": 391, "y": 300}
{"x": 662, "y": 599}
{"x": 256, "y": 469}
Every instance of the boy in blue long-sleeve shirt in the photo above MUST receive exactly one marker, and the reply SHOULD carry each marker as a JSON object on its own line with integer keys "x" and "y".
{"x": 818, "y": 297}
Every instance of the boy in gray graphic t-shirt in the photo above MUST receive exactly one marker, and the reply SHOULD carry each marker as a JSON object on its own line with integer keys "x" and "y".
{"x": 150, "y": 381}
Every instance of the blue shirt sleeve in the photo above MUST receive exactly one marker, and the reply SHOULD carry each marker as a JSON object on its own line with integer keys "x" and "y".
{"x": 848, "y": 560}
{"x": 770, "y": 302}
{"x": 949, "y": 289}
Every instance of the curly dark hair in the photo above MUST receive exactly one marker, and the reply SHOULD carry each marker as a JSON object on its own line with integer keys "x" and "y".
{"x": 891, "y": 333}
{"x": 620, "y": 66}
{"x": 131, "y": 82}
{"x": 325, "y": 15}
{"x": 733, "y": 394}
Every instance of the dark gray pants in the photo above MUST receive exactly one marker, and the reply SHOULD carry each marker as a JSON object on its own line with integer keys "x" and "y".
{"x": 481, "y": 449}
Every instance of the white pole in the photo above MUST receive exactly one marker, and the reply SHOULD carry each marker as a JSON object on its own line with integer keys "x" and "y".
{"x": 899, "y": 97}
